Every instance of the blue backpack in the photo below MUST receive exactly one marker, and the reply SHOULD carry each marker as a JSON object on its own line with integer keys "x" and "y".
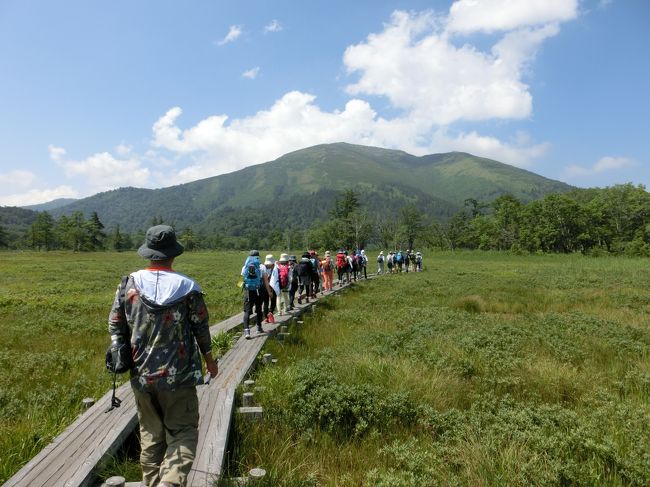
{"x": 252, "y": 275}
{"x": 399, "y": 257}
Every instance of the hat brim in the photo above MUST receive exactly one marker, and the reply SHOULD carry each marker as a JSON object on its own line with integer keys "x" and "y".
{"x": 160, "y": 254}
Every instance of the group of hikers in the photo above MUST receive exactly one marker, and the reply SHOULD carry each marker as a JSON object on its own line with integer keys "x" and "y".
{"x": 269, "y": 286}
{"x": 159, "y": 327}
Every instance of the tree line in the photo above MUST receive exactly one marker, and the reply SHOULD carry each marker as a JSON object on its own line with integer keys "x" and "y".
{"x": 612, "y": 220}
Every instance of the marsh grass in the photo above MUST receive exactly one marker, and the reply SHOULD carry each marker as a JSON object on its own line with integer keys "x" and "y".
{"x": 54, "y": 308}
{"x": 486, "y": 369}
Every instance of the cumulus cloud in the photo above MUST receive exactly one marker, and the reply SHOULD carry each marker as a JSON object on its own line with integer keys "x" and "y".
{"x": 605, "y": 164}
{"x": 415, "y": 64}
{"x": 233, "y": 34}
{"x": 251, "y": 73}
{"x": 273, "y": 26}
{"x": 103, "y": 171}
{"x": 468, "y": 16}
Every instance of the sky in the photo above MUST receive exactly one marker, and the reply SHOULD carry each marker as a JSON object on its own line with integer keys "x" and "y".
{"x": 97, "y": 95}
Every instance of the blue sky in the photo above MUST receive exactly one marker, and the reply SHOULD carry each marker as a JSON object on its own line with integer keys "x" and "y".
{"x": 151, "y": 93}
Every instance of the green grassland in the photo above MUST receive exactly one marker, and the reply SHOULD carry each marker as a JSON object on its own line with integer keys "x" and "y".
{"x": 486, "y": 369}
{"x": 54, "y": 308}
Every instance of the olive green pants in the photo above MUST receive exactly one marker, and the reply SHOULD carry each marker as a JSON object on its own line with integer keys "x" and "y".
{"x": 169, "y": 433}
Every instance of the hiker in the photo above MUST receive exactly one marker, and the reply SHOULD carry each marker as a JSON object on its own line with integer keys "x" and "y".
{"x": 399, "y": 260}
{"x": 328, "y": 271}
{"x": 293, "y": 285}
{"x": 341, "y": 263}
{"x": 351, "y": 267}
{"x": 284, "y": 274}
{"x": 407, "y": 260}
{"x": 256, "y": 282}
{"x": 363, "y": 261}
{"x": 390, "y": 263}
{"x": 160, "y": 315}
{"x": 304, "y": 278}
{"x": 270, "y": 293}
{"x": 315, "y": 273}
{"x": 418, "y": 261}
{"x": 380, "y": 263}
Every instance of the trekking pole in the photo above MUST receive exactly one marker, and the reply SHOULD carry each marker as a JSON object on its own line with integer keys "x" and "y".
{"x": 115, "y": 402}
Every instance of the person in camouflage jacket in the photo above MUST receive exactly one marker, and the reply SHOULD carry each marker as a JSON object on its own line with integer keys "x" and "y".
{"x": 164, "y": 317}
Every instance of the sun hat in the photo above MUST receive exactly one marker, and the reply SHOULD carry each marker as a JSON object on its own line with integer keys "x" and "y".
{"x": 269, "y": 260}
{"x": 381, "y": 253}
{"x": 306, "y": 255}
{"x": 363, "y": 252}
{"x": 254, "y": 253}
{"x": 283, "y": 258}
{"x": 293, "y": 258}
{"x": 160, "y": 244}
{"x": 327, "y": 253}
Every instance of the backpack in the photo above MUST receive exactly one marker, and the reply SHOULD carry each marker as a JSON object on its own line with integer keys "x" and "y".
{"x": 283, "y": 275}
{"x": 252, "y": 275}
{"x": 380, "y": 259}
{"x": 327, "y": 264}
{"x": 340, "y": 261}
{"x": 399, "y": 257}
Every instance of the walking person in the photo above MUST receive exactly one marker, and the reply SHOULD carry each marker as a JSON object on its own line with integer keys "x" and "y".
{"x": 380, "y": 263}
{"x": 283, "y": 271}
{"x": 293, "y": 285}
{"x": 160, "y": 315}
{"x": 256, "y": 282}
{"x": 304, "y": 278}
{"x": 270, "y": 292}
{"x": 363, "y": 262}
{"x": 328, "y": 271}
{"x": 341, "y": 264}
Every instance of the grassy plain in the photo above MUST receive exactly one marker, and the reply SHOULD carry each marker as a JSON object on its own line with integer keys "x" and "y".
{"x": 53, "y": 309}
{"x": 486, "y": 369}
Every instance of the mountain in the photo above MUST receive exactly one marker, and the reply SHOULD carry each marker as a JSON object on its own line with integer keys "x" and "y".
{"x": 50, "y": 205}
{"x": 301, "y": 186}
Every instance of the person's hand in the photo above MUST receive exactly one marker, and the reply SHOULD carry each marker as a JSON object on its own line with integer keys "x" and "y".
{"x": 211, "y": 365}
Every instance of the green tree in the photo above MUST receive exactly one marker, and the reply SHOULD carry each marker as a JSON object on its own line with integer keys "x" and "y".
{"x": 41, "y": 232}
{"x": 188, "y": 239}
{"x": 411, "y": 224}
{"x": 95, "y": 237}
{"x": 507, "y": 219}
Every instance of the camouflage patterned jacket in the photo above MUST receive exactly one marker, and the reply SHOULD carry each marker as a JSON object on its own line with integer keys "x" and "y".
{"x": 165, "y": 316}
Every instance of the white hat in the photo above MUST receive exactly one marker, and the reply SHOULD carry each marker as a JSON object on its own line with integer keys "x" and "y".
{"x": 381, "y": 253}
{"x": 269, "y": 260}
{"x": 284, "y": 258}
{"x": 363, "y": 251}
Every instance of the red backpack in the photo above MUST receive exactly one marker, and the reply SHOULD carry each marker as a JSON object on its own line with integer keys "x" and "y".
{"x": 283, "y": 274}
{"x": 340, "y": 261}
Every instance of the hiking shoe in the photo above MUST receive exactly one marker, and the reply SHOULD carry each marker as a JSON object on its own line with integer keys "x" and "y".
{"x": 260, "y": 329}
{"x": 299, "y": 300}
{"x": 247, "y": 334}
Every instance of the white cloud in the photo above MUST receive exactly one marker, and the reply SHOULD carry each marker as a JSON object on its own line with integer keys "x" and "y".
{"x": 123, "y": 149}
{"x": 251, "y": 73}
{"x": 17, "y": 179}
{"x": 103, "y": 171}
{"x": 605, "y": 164}
{"x": 467, "y": 16}
{"x": 273, "y": 26}
{"x": 37, "y": 196}
{"x": 233, "y": 34}
{"x": 414, "y": 64}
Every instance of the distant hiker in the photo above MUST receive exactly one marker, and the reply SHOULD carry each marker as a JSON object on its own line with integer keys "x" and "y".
{"x": 399, "y": 260}
{"x": 363, "y": 262}
{"x": 304, "y": 278}
{"x": 255, "y": 284}
{"x": 390, "y": 262}
{"x": 269, "y": 297}
{"x": 341, "y": 264}
{"x": 380, "y": 263}
{"x": 284, "y": 274}
{"x": 161, "y": 316}
{"x": 293, "y": 284}
{"x": 418, "y": 261}
{"x": 351, "y": 267}
{"x": 328, "y": 271}
{"x": 315, "y": 273}
{"x": 407, "y": 260}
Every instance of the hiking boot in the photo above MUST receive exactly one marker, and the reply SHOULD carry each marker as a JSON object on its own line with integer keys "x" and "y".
{"x": 247, "y": 334}
{"x": 299, "y": 300}
{"x": 260, "y": 329}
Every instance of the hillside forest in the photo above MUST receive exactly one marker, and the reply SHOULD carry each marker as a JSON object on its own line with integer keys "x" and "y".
{"x": 614, "y": 220}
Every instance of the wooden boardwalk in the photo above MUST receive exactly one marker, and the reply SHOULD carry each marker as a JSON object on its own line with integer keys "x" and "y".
{"x": 72, "y": 457}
